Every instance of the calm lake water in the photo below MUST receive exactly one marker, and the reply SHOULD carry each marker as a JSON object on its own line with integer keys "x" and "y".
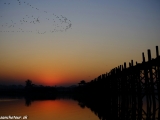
{"x": 59, "y": 109}
{"x": 69, "y": 109}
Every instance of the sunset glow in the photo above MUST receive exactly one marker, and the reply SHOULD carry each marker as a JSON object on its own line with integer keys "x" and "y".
{"x": 64, "y": 42}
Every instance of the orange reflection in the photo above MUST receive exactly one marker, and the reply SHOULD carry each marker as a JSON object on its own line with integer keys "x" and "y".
{"x": 47, "y": 110}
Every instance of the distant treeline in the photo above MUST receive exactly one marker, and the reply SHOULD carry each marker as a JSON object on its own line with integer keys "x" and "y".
{"x": 36, "y": 91}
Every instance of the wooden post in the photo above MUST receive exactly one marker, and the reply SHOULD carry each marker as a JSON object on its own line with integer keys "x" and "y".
{"x": 149, "y": 55}
{"x": 158, "y": 76}
{"x": 132, "y": 62}
{"x": 157, "y": 51}
{"x": 124, "y": 65}
{"x": 143, "y": 57}
{"x": 147, "y": 84}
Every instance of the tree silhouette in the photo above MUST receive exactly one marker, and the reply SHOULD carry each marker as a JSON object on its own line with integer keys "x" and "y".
{"x": 28, "y": 85}
{"x": 82, "y": 82}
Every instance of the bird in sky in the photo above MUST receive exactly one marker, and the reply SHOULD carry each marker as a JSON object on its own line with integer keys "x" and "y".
{"x": 37, "y": 20}
{"x": 61, "y": 23}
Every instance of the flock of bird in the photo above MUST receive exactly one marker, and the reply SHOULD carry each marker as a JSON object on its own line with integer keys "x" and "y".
{"x": 42, "y": 22}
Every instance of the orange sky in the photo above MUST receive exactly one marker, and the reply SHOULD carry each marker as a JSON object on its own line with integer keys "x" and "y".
{"x": 93, "y": 38}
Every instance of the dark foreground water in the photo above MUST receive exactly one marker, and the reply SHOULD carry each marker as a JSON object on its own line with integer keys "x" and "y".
{"x": 59, "y": 109}
{"x": 69, "y": 109}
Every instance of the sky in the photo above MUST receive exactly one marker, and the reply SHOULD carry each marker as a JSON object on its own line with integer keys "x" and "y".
{"x": 61, "y": 42}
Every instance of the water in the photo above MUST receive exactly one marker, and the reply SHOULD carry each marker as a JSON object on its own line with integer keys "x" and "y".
{"x": 59, "y": 109}
{"x": 77, "y": 109}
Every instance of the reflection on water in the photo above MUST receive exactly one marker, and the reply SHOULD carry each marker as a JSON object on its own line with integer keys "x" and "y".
{"x": 59, "y": 109}
{"x": 127, "y": 108}
{"x": 81, "y": 108}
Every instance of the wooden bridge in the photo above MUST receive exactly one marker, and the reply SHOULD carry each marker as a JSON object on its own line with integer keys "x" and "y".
{"x": 128, "y": 88}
